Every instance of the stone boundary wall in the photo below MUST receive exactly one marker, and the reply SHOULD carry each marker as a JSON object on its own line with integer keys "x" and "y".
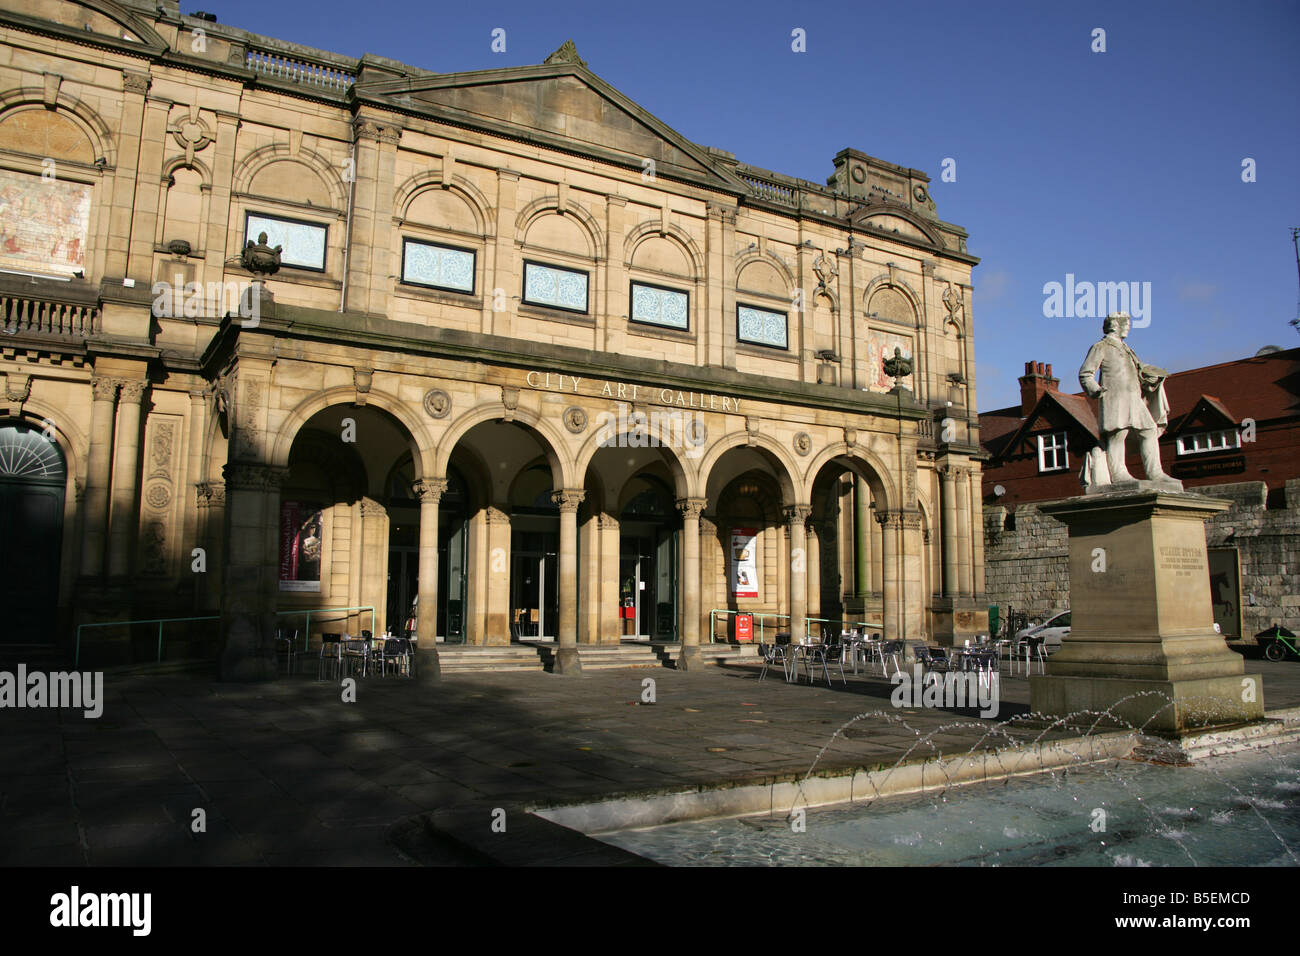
{"x": 1027, "y": 566}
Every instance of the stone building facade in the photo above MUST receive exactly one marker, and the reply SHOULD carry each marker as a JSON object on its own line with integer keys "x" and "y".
{"x": 530, "y": 355}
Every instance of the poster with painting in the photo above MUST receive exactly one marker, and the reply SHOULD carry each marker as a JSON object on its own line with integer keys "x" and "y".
{"x": 300, "y": 546}
{"x": 43, "y": 224}
{"x": 880, "y": 346}
{"x": 744, "y": 562}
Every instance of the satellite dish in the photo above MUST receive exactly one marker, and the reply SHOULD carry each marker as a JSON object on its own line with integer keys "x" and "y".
{"x": 999, "y": 491}
{"x": 1268, "y": 350}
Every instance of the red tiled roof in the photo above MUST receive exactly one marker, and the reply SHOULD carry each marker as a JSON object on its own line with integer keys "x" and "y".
{"x": 1261, "y": 387}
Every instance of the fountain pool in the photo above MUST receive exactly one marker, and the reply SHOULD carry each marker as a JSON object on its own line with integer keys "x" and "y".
{"x": 1242, "y": 809}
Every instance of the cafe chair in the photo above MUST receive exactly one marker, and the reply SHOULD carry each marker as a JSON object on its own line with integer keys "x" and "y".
{"x": 331, "y": 656}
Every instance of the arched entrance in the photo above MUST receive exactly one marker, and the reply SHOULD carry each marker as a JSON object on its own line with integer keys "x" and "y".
{"x": 649, "y": 528}
{"x": 33, "y": 477}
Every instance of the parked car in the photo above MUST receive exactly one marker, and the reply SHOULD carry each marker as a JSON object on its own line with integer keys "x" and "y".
{"x": 1051, "y": 631}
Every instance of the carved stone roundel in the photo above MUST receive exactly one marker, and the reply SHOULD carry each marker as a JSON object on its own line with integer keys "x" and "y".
{"x": 802, "y": 443}
{"x": 575, "y": 419}
{"x": 437, "y": 403}
{"x": 158, "y": 496}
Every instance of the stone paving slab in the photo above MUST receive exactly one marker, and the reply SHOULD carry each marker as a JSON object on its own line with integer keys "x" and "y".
{"x": 288, "y": 774}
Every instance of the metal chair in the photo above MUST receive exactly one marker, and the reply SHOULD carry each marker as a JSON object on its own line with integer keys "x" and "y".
{"x": 331, "y": 655}
{"x": 396, "y": 651}
{"x": 825, "y": 654}
{"x": 773, "y": 653}
{"x": 1033, "y": 646}
{"x": 285, "y": 639}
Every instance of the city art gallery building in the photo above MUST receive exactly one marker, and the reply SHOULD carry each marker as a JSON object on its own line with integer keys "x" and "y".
{"x": 530, "y": 355}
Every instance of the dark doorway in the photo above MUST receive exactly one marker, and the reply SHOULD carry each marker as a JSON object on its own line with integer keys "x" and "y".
{"x": 32, "y": 482}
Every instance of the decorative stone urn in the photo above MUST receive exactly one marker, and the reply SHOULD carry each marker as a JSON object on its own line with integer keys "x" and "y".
{"x": 262, "y": 260}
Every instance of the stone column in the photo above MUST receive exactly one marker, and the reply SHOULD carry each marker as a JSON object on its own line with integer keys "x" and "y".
{"x": 689, "y": 576}
{"x": 497, "y": 610}
{"x": 977, "y": 537}
{"x": 796, "y": 517}
{"x": 862, "y": 539}
{"x": 374, "y": 563}
{"x": 948, "y": 529}
{"x": 427, "y": 668}
{"x": 97, "y": 468}
{"x": 249, "y": 586}
{"x": 590, "y": 580}
{"x": 566, "y": 655}
{"x": 211, "y": 510}
{"x": 191, "y": 535}
{"x": 965, "y": 571}
{"x": 814, "y": 572}
{"x": 126, "y": 465}
{"x": 611, "y": 626}
{"x": 892, "y": 588}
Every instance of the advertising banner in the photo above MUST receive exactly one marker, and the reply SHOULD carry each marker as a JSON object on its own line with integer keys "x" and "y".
{"x": 744, "y": 562}
{"x": 300, "y": 547}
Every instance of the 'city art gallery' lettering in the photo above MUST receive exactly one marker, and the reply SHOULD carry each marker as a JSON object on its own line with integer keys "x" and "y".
{"x": 78, "y": 690}
{"x": 630, "y": 392}
{"x": 75, "y": 909}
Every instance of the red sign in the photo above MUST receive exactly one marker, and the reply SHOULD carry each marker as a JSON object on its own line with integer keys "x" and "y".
{"x": 744, "y": 627}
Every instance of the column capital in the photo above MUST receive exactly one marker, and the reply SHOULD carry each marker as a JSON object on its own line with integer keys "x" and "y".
{"x": 951, "y": 472}
{"x": 569, "y": 499}
{"x": 692, "y": 507}
{"x": 370, "y": 508}
{"x": 429, "y": 490}
{"x": 104, "y": 388}
{"x": 132, "y": 390}
{"x": 493, "y": 515}
{"x": 796, "y": 514}
{"x": 210, "y": 493}
{"x": 249, "y": 476}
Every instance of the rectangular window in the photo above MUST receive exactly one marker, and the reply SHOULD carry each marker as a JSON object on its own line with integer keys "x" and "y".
{"x": 304, "y": 242}
{"x": 761, "y": 327}
{"x": 557, "y": 288}
{"x": 1052, "y": 452}
{"x": 1202, "y": 442}
{"x": 439, "y": 267}
{"x": 655, "y": 305}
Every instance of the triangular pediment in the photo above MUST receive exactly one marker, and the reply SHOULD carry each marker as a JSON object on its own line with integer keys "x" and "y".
{"x": 562, "y": 105}
{"x": 1055, "y": 411}
{"x": 1207, "y": 414}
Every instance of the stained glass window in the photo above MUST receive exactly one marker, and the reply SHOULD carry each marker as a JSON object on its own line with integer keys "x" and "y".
{"x": 304, "y": 242}
{"x": 442, "y": 267}
{"x": 656, "y": 306}
{"x": 559, "y": 288}
{"x": 761, "y": 327}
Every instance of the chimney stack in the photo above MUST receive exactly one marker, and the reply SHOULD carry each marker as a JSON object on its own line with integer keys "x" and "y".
{"x": 1036, "y": 381}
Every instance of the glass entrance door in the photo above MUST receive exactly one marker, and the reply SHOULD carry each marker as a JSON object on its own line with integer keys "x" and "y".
{"x": 647, "y": 585}
{"x": 535, "y": 602}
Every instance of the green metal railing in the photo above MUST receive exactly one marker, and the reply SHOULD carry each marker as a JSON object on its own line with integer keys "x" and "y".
{"x": 306, "y": 631}
{"x": 160, "y": 621}
{"x": 760, "y": 617}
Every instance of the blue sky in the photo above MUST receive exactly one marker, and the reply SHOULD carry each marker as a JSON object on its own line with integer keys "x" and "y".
{"x": 1122, "y": 166}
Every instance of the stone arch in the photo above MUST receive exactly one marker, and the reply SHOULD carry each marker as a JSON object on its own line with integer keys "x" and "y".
{"x": 550, "y": 205}
{"x": 72, "y": 442}
{"x": 885, "y": 281}
{"x": 84, "y": 117}
{"x": 421, "y": 443}
{"x": 259, "y": 159}
{"x": 145, "y": 34}
{"x": 674, "y": 234}
{"x": 684, "y": 477}
{"x": 552, "y": 443}
{"x": 788, "y": 477}
{"x": 863, "y": 463}
{"x": 180, "y": 162}
{"x": 770, "y": 258}
{"x": 473, "y": 197}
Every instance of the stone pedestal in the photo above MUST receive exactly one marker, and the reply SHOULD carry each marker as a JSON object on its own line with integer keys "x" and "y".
{"x": 1142, "y": 641}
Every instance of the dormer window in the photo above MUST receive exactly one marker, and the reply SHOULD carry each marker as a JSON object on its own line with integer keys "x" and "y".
{"x": 1199, "y": 443}
{"x": 1053, "y": 453}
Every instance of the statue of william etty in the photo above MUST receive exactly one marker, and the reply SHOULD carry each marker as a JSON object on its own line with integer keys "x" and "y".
{"x": 1132, "y": 398}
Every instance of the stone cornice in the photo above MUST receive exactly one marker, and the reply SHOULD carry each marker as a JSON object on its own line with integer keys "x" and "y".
{"x": 359, "y": 331}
